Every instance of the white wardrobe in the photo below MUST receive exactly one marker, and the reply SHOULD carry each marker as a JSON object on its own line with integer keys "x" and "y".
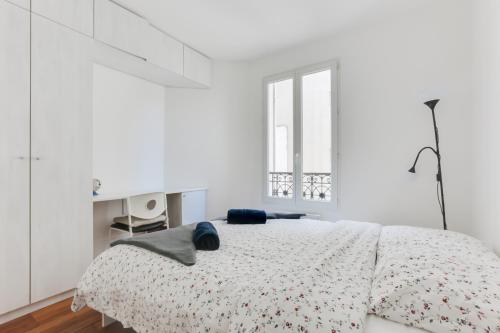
{"x": 45, "y": 151}
{"x": 48, "y": 48}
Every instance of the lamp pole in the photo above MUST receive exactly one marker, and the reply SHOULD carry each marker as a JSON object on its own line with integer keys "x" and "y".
{"x": 439, "y": 177}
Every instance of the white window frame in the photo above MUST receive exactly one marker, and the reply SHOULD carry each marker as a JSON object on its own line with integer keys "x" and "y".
{"x": 297, "y": 202}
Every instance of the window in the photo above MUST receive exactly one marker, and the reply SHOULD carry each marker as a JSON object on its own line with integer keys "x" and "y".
{"x": 301, "y": 132}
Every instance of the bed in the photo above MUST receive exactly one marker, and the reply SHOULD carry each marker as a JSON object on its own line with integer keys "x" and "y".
{"x": 285, "y": 276}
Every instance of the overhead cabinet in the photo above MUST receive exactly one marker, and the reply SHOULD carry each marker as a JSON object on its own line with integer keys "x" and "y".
{"x": 197, "y": 67}
{"x": 164, "y": 51}
{"x": 22, "y": 3}
{"x": 75, "y": 14}
{"x": 120, "y": 28}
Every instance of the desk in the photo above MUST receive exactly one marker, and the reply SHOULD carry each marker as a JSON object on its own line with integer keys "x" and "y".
{"x": 123, "y": 196}
{"x": 184, "y": 206}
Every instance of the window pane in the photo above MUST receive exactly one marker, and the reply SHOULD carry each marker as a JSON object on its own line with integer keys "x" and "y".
{"x": 316, "y": 136}
{"x": 280, "y": 142}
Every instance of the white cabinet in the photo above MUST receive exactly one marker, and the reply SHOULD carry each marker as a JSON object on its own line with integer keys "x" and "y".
{"x": 120, "y": 28}
{"x": 14, "y": 157}
{"x": 124, "y": 30}
{"x": 76, "y": 14}
{"x": 197, "y": 67}
{"x": 61, "y": 170}
{"x": 164, "y": 51}
{"x": 22, "y": 3}
{"x": 193, "y": 207}
{"x": 186, "y": 207}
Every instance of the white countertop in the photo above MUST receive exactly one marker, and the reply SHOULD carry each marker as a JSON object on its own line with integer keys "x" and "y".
{"x": 121, "y": 196}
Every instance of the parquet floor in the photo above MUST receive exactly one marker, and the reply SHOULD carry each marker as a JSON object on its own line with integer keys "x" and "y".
{"x": 58, "y": 318}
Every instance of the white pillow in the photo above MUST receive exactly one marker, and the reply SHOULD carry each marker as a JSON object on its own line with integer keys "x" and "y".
{"x": 440, "y": 281}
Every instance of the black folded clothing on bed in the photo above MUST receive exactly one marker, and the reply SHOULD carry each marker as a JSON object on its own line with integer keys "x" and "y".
{"x": 246, "y": 216}
{"x": 205, "y": 237}
{"x": 285, "y": 216}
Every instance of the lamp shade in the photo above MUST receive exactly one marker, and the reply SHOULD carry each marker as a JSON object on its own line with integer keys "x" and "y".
{"x": 432, "y": 103}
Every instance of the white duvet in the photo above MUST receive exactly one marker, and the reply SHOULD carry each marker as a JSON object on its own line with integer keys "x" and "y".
{"x": 285, "y": 276}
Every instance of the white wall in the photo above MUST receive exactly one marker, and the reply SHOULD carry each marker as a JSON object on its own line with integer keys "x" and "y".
{"x": 487, "y": 119}
{"x": 213, "y": 140}
{"x": 128, "y": 125}
{"x": 387, "y": 70}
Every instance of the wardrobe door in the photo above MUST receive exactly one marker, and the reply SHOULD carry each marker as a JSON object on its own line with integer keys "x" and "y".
{"x": 14, "y": 156}
{"x": 61, "y": 171}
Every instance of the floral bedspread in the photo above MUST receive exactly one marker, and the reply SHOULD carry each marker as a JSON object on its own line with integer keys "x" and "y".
{"x": 285, "y": 276}
{"x": 440, "y": 281}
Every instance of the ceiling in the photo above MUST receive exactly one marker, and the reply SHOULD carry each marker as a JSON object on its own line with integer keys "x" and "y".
{"x": 249, "y": 29}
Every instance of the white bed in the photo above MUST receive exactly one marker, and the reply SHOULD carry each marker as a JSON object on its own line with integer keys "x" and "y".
{"x": 285, "y": 275}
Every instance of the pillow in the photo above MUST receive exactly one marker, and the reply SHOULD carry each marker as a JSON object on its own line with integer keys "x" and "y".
{"x": 436, "y": 280}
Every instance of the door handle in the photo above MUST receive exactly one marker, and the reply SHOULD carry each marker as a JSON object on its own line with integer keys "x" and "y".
{"x": 36, "y": 158}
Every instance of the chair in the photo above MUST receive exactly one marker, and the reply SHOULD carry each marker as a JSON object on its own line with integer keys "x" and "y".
{"x": 145, "y": 213}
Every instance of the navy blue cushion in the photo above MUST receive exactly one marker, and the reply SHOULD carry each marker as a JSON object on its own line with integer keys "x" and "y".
{"x": 205, "y": 237}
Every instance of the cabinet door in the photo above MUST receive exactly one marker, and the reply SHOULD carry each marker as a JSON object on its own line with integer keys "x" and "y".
{"x": 76, "y": 14}
{"x": 14, "y": 157}
{"x": 22, "y": 3}
{"x": 120, "y": 28}
{"x": 197, "y": 67}
{"x": 164, "y": 51}
{"x": 193, "y": 207}
{"x": 61, "y": 171}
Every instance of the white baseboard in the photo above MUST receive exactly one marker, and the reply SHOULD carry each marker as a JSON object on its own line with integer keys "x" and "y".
{"x": 35, "y": 306}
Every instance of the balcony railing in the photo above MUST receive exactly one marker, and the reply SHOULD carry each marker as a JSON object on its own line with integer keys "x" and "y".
{"x": 315, "y": 186}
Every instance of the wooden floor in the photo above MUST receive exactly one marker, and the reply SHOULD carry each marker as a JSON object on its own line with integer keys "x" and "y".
{"x": 59, "y": 318}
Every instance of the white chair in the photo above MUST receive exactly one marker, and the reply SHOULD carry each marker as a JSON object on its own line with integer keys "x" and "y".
{"x": 145, "y": 212}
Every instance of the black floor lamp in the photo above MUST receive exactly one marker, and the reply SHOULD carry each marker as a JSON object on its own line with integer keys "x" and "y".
{"x": 439, "y": 177}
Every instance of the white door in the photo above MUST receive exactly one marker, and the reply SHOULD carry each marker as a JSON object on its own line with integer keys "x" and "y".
{"x": 61, "y": 139}
{"x": 193, "y": 207}
{"x": 76, "y": 14}
{"x": 14, "y": 157}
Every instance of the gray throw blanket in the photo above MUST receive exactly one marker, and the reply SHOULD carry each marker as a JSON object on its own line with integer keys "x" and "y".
{"x": 176, "y": 243}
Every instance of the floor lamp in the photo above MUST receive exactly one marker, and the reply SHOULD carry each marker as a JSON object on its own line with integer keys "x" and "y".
{"x": 439, "y": 177}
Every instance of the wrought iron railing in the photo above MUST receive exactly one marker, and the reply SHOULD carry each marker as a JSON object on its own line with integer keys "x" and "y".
{"x": 315, "y": 185}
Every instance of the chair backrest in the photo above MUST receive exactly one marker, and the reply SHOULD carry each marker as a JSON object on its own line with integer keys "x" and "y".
{"x": 147, "y": 206}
